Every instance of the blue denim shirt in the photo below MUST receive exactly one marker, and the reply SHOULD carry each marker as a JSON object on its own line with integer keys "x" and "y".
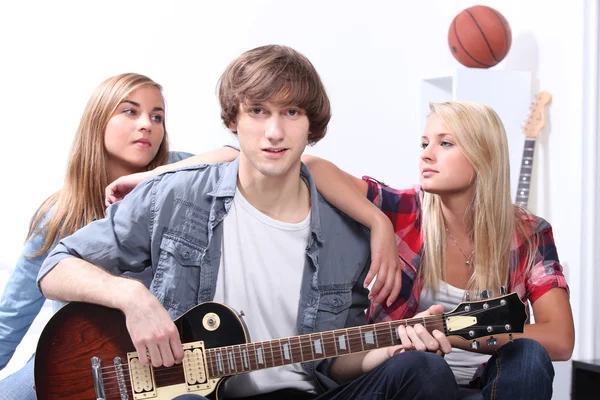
{"x": 173, "y": 225}
{"x": 21, "y": 300}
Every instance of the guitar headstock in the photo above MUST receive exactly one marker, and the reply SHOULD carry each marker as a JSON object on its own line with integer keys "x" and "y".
{"x": 537, "y": 116}
{"x": 494, "y": 316}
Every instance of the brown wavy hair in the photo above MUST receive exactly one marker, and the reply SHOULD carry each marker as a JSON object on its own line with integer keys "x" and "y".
{"x": 275, "y": 73}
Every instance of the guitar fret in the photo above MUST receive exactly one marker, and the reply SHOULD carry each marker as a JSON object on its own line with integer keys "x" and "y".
{"x": 224, "y": 363}
{"x": 329, "y": 344}
{"x": 259, "y": 355}
{"x": 368, "y": 337}
{"x": 296, "y": 349}
{"x": 306, "y": 346}
{"x": 272, "y": 353}
{"x": 381, "y": 335}
{"x": 231, "y": 360}
{"x": 211, "y": 356}
{"x": 277, "y": 353}
{"x": 317, "y": 345}
{"x": 286, "y": 352}
{"x": 355, "y": 342}
{"x": 252, "y": 356}
{"x": 341, "y": 341}
{"x": 244, "y": 360}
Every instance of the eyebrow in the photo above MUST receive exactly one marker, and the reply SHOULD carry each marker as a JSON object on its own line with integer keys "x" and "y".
{"x": 138, "y": 105}
{"x": 438, "y": 135}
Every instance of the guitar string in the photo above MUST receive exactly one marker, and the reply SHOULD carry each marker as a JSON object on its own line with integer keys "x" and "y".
{"x": 166, "y": 372}
{"x": 352, "y": 335}
{"x": 212, "y": 358}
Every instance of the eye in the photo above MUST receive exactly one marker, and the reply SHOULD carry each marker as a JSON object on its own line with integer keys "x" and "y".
{"x": 157, "y": 118}
{"x": 446, "y": 143}
{"x": 424, "y": 145}
{"x": 293, "y": 112}
{"x": 129, "y": 111}
{"x": 255, "y": 111}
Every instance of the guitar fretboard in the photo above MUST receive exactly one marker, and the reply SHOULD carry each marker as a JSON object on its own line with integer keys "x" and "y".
{"x": 525, "y": 175}
{"x": 242, "y": 358}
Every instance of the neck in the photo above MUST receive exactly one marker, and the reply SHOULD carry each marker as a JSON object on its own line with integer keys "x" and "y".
{"x": 456, "y": 208}
{"x": 304, "y": 348}
{"x": 117, "y": 170}
{"x": 285, "y": 198}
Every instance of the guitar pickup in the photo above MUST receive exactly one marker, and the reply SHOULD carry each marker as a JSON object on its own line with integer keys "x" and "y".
{"x": 143, "y": 385}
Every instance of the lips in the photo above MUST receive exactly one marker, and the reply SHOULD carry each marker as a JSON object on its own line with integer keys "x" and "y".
{"x": 143, "y": 142}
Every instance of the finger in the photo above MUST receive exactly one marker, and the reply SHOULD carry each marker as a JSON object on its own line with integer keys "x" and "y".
{"x": 140, "y": 348}
{"x": 435, "y": 309}
{"x": 443, "y": 341}
{"x": 393, "y": 350}
{"x": 177, "y": 348}
{"x": 407, "y": 344}
{"x": 381, "y": 279}
{"x": 168, "y": 359}
{"x": 373, "y": 269}
{"x": 431, "y": 344}
{"x": 396, "y": 288}
{"x": 155, "y": 356}
{"x": 415, "y": 339}
{"x": 388, "y": 280}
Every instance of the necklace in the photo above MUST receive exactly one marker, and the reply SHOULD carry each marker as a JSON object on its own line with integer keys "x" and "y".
{"x": 467, "y": 259}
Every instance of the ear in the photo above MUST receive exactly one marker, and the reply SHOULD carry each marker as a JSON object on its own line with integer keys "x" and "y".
{"x": 233, "y": 127}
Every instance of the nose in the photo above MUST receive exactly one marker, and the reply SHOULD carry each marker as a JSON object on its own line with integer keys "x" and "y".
{"x": 274, "y": 131}
{"x": 144, "y": 122}
{"x": 428, "y": 154}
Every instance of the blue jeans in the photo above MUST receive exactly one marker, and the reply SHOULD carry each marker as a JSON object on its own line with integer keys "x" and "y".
{"x": 19, "y": 385}
{"x": 518, "y": 370}
{"x": 412, "y": 375}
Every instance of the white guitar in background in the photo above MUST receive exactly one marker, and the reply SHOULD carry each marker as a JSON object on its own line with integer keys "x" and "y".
{"x": 533, "y": 126}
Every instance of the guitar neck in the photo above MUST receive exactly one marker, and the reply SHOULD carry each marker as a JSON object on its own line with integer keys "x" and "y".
{"x": 525, "y": 175}
{"x": 247, "y": 357}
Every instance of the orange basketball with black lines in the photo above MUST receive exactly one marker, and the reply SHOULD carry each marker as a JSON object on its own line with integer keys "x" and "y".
{"x": 479, "y": 37}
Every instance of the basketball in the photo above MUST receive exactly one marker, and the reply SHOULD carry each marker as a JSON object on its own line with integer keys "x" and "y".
{"x": 479, "y": 37}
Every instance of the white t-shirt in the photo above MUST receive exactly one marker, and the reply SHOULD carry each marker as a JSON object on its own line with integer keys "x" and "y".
{"x": 262, "y": 261}
{"x": 463, "y": 363}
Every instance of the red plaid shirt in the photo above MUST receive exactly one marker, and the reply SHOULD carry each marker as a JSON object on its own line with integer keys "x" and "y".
{"x": 403, "y": 208}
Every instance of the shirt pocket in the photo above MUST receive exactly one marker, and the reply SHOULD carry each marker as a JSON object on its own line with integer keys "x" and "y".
{"x": 333, "y": 309}
{"x": 177, "y": 279}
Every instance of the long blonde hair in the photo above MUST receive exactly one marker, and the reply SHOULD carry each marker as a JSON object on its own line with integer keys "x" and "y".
{"x": 492, "y": 217}
{"x": 81, "y": 199}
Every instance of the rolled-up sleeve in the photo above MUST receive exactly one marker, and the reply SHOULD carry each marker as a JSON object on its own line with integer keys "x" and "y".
{"x": 119, "y": 242}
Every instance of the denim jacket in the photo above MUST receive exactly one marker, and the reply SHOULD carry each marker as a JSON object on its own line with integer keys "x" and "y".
{"x": 173, "y": 225}
{"x": 21, "y": 300}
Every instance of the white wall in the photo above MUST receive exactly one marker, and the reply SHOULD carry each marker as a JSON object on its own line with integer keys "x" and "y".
{"x": 371, "y": 56}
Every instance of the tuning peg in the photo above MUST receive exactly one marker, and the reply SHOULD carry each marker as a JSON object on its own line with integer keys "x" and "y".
{"x": 467, "y": 296}
{"x": 502, "y": 290}
{"x": 510, "y": 338}
{"x": 474, "y": 345}
{"x": 492, "y": 341}
{"x": 486, "y": 294}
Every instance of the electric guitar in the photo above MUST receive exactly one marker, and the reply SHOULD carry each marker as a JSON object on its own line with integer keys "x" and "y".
{"x": 533, "y": 126}
{"x": 85, "y": 351}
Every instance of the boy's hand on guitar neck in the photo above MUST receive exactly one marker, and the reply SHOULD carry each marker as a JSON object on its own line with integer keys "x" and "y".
{"x": 153, "y": 333}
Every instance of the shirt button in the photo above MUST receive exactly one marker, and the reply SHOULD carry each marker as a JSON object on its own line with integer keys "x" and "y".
{"x": 186, "y": 255}
{"x": 212, "y": 218}
{"x": 336, "y": 302}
